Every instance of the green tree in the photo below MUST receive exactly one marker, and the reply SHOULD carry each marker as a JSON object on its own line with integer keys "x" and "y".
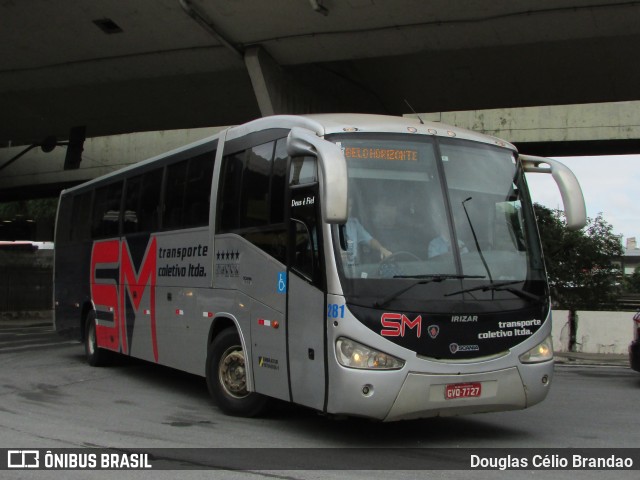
{"x": 39, "y": 209}
{"x": 633, "y": 281}
{"x": 582, "y": 275}
{"x": 42, "y": 211}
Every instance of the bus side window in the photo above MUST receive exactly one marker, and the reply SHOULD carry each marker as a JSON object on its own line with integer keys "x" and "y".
{"x": 278, "y": 181}
{"x": 252, "y": 192}
{"x": 303, "y": 179}
{"x": 148, "y": 208}
{"x": 230, "y": 186}
{"x": 198, "y": 195}
{"x": 106, "y": 211}
{"x": 188, "y": 192}
{"x": 304, "y": 171}
{"x": 254, "y": 204}
{"x": 131, "y": 201}
{"x": 63, "y": 230}
{"x": 81, "y": 217}
{"x": 304, "y": 251}
{"x": 174, "y": 194}
{"x": 142, "y": 197}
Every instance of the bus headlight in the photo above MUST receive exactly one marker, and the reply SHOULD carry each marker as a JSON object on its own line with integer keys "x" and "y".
{"x": 356, "y": 355}
{"x": 542, "y": 352}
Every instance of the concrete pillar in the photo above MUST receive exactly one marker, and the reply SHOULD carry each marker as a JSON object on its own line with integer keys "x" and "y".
{"x": 276, "y": 91}
{"x": 302, "y": 89}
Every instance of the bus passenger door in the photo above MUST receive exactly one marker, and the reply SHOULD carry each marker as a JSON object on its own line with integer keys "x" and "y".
{"x": 306, "y": 297}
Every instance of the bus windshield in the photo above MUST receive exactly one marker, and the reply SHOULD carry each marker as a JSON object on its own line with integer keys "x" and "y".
{"x": 453, "y": 214}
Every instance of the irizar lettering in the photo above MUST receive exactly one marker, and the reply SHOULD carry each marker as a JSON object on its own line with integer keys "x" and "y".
{"x": 464, "y": 318}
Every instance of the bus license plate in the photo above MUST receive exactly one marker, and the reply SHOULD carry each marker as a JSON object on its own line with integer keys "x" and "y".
{"x": 462, "y": 390}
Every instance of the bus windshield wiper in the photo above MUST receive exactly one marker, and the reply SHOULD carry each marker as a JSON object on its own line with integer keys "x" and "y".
{"x": 422, "y": 280}
{"x": 475, "y": 239}
{"x": 501, "y": 287}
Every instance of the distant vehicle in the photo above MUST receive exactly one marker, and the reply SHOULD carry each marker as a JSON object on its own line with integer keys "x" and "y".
{"x": 634, "y": 348}
{"x": 25, "y": 245}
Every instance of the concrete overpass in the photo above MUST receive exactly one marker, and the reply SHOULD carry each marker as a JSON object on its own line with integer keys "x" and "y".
{"x": 552, "y": 131}
{"x": 121, "y": 67}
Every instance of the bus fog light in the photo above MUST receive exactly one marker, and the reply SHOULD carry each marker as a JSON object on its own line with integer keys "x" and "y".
{"x": 356, "y": 355}
{"x": 542, "y": 352}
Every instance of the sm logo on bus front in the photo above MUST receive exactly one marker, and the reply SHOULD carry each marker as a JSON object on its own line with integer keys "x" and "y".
{"x": 396, "y": 325}
{"x": 117, "y": 283}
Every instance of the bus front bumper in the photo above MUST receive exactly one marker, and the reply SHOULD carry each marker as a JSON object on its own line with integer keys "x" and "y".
{"x": 425, "y": 395}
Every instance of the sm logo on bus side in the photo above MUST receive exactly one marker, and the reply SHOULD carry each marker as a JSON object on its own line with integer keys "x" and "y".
{"x": 127, "y": 287}
{"x": 397, "y": 324}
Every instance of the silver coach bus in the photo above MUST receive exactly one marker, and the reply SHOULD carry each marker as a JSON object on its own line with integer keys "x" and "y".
{"x": 355, "y": 264}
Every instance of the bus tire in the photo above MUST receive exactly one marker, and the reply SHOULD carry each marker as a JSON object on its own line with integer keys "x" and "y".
{"x": 96, "y": 356}
{"x": 227, "y": 377}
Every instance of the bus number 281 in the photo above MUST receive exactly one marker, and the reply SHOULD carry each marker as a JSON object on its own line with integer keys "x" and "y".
{"x": 335, "y": 311}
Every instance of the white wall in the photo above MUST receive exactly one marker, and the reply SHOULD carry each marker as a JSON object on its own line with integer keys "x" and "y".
{"x": 598, "y": 332}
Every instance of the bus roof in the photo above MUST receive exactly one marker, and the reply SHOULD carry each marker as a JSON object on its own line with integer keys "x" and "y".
{"x": 329, "y": 123}
{"x": 321, "y": 125}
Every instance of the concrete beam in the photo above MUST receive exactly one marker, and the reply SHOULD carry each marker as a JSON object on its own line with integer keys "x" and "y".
{"x": 595, "y": 122}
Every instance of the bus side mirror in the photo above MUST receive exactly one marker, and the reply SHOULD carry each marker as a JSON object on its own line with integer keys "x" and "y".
{"x": 572, "y": 198}
{"x": 333, "y": 171}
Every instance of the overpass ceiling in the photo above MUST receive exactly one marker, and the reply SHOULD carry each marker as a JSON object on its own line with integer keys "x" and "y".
{"x": 123, "y": 66}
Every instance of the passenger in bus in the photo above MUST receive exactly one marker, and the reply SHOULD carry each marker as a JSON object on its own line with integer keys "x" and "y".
{"x": 442, "y": 243}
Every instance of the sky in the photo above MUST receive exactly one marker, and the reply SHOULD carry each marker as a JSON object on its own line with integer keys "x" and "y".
{"x": 610, "y": 185}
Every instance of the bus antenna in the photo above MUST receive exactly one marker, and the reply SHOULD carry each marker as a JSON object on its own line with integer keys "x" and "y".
{"x": 414, "y": 112}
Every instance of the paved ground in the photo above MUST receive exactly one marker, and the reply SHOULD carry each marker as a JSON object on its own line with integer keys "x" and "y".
{"x": 52, "y": 399}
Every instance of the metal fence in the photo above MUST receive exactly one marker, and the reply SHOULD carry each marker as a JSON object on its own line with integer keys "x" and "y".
{"x": 25, "y": 288}
{"x": 26, "y": 278}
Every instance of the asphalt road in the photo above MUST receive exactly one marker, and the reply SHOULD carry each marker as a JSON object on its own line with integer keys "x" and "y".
{"x": 50, "y": 398}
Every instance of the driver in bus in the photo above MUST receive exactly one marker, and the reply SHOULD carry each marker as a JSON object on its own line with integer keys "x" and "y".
{"x": 356, "y": 233}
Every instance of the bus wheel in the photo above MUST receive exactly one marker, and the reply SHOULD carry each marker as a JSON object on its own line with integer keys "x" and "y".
{"x": 227, "y": 377}
{"x": 96, "y": 356}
